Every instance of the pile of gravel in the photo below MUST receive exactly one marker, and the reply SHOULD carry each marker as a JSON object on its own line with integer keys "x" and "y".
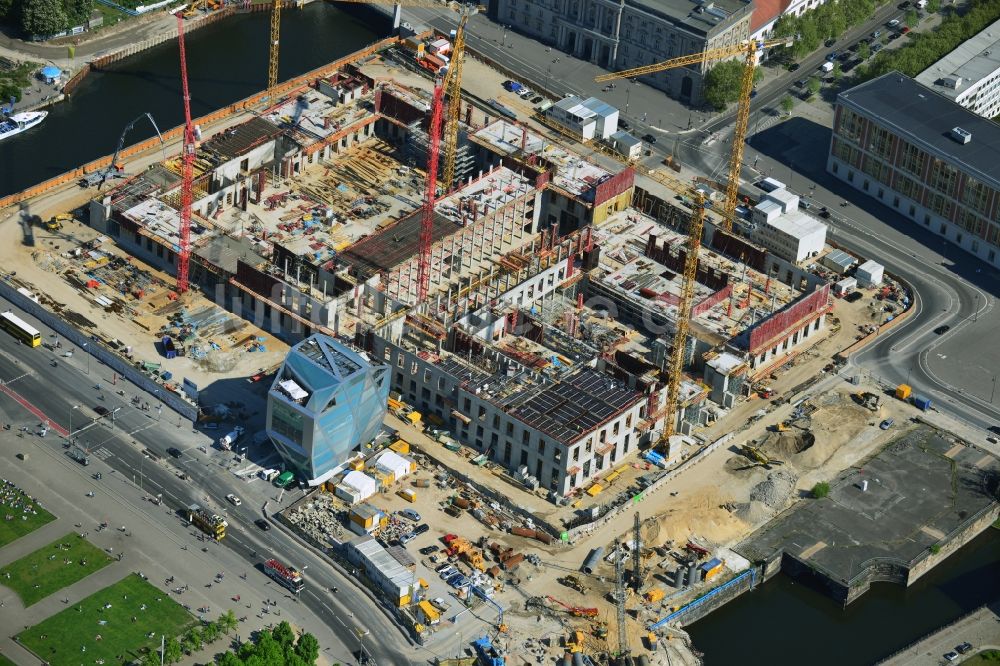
{"x": 775, "y": 489}
{"x": 752, "y": 513}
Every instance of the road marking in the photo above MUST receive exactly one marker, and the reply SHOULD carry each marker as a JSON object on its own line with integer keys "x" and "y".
{"x": 34, "y": 410}
{"x": 103, "y": 453}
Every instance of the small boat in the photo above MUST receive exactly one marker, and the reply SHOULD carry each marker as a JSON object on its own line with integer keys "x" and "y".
{"x": 20, "y": 122}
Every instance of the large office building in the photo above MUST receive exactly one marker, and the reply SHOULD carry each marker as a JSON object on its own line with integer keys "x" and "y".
{"x": 631, "y": 33}
{"x": 326, "y": 400}
{"x": 923, "y": 155}
{"x": 970, "y": 75}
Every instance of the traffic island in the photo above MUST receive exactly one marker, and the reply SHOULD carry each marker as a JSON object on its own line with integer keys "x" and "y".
{"x": 891, "y": 518}
{"x": 115, "y": 625}
{"x": 67, "y": 560}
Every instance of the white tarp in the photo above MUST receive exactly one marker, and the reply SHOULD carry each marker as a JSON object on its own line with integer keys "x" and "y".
{"x": 391, "y": 462}
{"x": 293, "y": 389}
{"x": 360, "y": 482}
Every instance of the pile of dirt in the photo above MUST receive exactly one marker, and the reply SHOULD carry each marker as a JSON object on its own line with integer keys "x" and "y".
{"x": 753, "y": 512}
{"x": 789, "y": 443}
{"x": 700, "y": 513}
{"x": 775, "y": 490}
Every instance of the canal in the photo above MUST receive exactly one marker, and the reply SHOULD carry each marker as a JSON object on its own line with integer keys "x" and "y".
{"x": 227, "y": 61}
{"x": 784, "y": 621}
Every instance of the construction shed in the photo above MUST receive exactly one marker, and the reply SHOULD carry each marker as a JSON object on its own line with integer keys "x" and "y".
{"x": 838, "y": 261}
{"x": 430, "y": 614}
{"x": 356, "y": 487}
{"x": 391, "y": 577}
{"x": 393, "y": 466}
{"x": 364, "y": 518}
{"x": 870, "y": 274}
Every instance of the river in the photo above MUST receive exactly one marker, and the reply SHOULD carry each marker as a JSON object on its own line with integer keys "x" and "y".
{"x": 227, "y": 61}
{"x": 785, "y": 622}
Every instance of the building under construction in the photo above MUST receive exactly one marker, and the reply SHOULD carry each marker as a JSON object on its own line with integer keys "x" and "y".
{"x": 541, "y": 334}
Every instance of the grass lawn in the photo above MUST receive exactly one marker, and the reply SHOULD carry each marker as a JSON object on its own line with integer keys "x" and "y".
{"x": 13, "y": 503}
{"x": 111, "y": 15}
{"x": 77, "y": 627}
{"x": 984, "y": 658}
{"x": 53, "y": 567}
{"x": 4, "y": 661}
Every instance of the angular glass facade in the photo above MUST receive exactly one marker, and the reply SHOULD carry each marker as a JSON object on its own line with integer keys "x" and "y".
{"x": 326, "y": 400}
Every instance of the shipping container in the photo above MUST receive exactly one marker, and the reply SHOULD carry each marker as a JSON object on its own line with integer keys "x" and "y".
{"x": 920, "y": 402}
{"x": 903, "y": 391}
{"x": 408, "y": 494}
{"x": 421, "y": 483}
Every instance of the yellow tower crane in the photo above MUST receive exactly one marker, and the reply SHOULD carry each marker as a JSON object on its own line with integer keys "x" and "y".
{"x": 453, "y": 82}
{"x": 272, "y": 63}
{"x": 749, "y": 49}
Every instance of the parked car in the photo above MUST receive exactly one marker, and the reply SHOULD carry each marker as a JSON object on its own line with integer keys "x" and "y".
{"x": 801, "y": 83}
{"x": 420, "y": 529}
{"x": 234, "y": 500}
{"x": 876, "y": 34}
{"x": 951, "y": 656}
{"x": 941, "y": 330}
{"x": 876, "y": 48}
{"x": 885, "y": 425}
{"x": 794, "y": 67}
{"x": 849, "y": 65}
{"x": 831, "y": 56}
{"x": 893, "y": 35}
{"x": 428, "y": 550}
{"x": 903, "y": 5}
{"x": 407, "y": 538}
{"x": 893, "y": 23}
{"x": 459, "y": 581}
{"x": 537, "y": 99}
{"x": 853, "y": 296}
{"x": 525, "y": 93}
{"x": 623, "y": 125}
{"x": 963, "y": 648}
{"x": 411, "y": 514}
{"x": 174, "y": 452}
{"x": 830, "y": 42}
{"x": 262, "y": 524}
{"x": 905, "y": 29}
{"x": 443, "y": 567}
{"x": 649, "y": 138}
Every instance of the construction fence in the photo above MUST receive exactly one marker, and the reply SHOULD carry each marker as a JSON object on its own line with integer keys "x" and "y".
{"x": 122, "y": 366}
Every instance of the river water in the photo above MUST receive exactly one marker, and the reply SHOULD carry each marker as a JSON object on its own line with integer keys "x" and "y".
{"x": 227, "y": 61}
{"x": 787, "y": 622}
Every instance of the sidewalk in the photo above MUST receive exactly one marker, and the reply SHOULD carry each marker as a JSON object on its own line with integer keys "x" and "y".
{"x": 981, "y": 628}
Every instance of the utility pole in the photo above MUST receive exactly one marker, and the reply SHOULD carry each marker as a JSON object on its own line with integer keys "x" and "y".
{"x": 636, "y": 557}
{"x": 623, "y": 649}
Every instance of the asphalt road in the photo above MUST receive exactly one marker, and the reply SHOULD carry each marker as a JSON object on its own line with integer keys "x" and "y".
{"x": 30, "y": 374}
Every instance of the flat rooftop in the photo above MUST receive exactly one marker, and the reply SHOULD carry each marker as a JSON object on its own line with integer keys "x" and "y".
{"x": 241, "y": 139}
{"x": 797, "y": 224}
{"x": 698, "y": 15}
{"x": 926, "y": 118}
{"x": 396, "y": 244}
{"x": 921, "y": 487}
{"x": 494, "y": 190}
{"x": 573, "y": 173}
{"x": 313, "y": 116}
{"x": 972, "y": 61}
{"x": 576, "y": 405}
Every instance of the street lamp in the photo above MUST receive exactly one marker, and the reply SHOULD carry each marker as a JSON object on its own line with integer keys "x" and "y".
{"x": 627, "y": 91}
{"x": 361, "y": 644}
{"x": 87, "y": 347}
{"x": 75, "y": 407}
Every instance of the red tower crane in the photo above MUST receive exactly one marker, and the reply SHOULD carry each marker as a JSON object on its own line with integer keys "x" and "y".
{"x": 427, "y": 222}
{"x": 187, "y": 170}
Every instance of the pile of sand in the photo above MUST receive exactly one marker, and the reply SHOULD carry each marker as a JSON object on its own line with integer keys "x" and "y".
{"x": 699, "y": 513}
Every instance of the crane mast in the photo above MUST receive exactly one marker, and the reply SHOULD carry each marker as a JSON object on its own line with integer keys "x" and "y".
{"x": 187, "y": 169}
{"x": 272, "y": 62}
{"x": 454, "y": 90}
{"x": 430, "y": 195}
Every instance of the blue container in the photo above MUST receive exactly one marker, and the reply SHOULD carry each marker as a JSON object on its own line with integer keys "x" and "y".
{"x": 711, "y": 564}
{"x": 920, "y": 402}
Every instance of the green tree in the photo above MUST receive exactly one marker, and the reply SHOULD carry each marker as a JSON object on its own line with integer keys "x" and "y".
{"x": 838, "y": 71}
{"x": 193, "y": 640}
{"x": 172, "y": 652}
{"x": 835, "y": 23}
{"x": 268, "y": 649}
{"x": 78, "y": 11}
{"x": 787, "y": 104}
{"x": 211, "y": 632}
{"x": 42, "y": 17}
{"x": 821, "y": 490}
{"x": 8, "y": 9}
{"x": 723, "y": 81}
{"x": 151, "y": 658}
{"x": 307, "y": 648}
{"x": 911, "y": 18}
{"x": 864, "y": 51}
{"x": 8, "y": 90}
{"x": 227, "y": 621}
{"x": 229, "y": 659}
{"x": 814, "y": 85}
{"x": 933, "y": 6}
{"x": 283, "y": 634}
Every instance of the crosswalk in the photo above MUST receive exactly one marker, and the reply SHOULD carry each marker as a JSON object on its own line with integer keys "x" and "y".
{"x": 103, "y": 453}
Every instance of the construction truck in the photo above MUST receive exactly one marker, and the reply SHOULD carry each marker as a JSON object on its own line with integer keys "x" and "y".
{"x": 56, "y": 223}
{"x": 758, "y": 457}
{"x": 574, "y": 642}
{"x": 211, "y": 524}
{"x": 779, "y": 427}
{"x": 573, "y": 583}
{"x": 868, "y": 400}
{"x": 285, "y": 576}
{"x": 488, "y": 654}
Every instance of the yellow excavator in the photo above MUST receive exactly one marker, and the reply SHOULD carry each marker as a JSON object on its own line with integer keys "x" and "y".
{"x": 758, "y": 457}
{"x": 56, "y": 223}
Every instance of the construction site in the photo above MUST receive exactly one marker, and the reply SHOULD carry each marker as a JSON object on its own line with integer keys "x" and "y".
{"x": 599, "y": 388}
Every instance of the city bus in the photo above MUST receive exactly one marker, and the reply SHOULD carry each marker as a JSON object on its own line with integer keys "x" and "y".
{"x": 20, "y": 329}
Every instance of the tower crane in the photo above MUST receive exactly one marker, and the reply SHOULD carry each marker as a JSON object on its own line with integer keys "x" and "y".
{"x": 624, "y": 651}
{"x": 272, "y": 62}
{"x": 749, "y": 49}
{"x": 453, "y": 82}
{"x": 430, "y": 195}
{"x": 187, "y": 169}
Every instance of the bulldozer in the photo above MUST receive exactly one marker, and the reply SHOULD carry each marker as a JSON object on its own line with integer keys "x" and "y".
{"x": 758, "y": 457}
{"x": 779, "y": 427}
{"x": 574, "y": 583}
{"x": 868, "y": 400}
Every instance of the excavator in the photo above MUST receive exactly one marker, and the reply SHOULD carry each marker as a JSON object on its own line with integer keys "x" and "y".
{"x": 758, "y": 457}
{"x": 56, "y": 223}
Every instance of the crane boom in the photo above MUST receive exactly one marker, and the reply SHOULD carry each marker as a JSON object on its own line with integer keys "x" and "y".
{"x": 683, "y": 316}
{"x": 454, "y": 90}
{"x": 104, "y": 174}
{"x": 750, "y": 49}
{"x": 623, "y": 647}
{"x": 272, "y": 62}
{"x": 430, "y": 195}
{"x": 187, "y": 169}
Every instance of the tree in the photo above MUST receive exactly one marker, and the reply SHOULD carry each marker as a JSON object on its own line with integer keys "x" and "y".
{"x": 8, "y": 90}
{"x": 911, "y": 18}
{"x": 211, "y": 632}
{"x": 43, "y": 17}
{"x": 821, "y": 490}
{"x": 864, "y": 51}
{"x": 151, "y": 658}
{"x": 172, "y": 651}
{"x": 722, "y": 83}
{"x": 8, "y": 9}
{"x": 227, "y": 621}
{"x": 307, "y": 648}
{"x": 284, "y": 635}
{"x": 933, "y": 6}
{"x": 193, "y": 640}
{"x": 838, "y": 71}
{"x": 787, "y": 104}
{"x": 78, "y": 11}
{"x": 814, "y": 85}
{"x": 229, "y": 659}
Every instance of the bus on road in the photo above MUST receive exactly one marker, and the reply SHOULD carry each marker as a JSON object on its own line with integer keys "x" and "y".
{"x": 20, "y": 329}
